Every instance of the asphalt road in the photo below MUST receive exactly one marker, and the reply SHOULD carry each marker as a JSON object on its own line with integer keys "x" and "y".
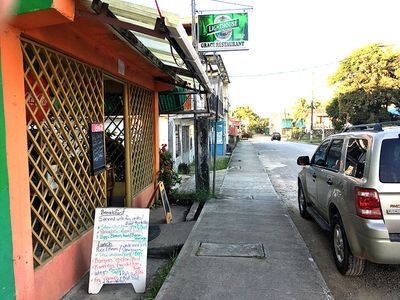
{"x": 377, "y": 282}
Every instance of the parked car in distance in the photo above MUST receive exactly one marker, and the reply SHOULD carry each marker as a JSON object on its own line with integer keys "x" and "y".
{"x": 351, "y": 187}
{"x": 276, "y": 136}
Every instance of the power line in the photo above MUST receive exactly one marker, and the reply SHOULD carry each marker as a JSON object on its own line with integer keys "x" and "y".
{"x": 286, "y": 72}
{"x": 243, "y": 7}
{"x": 234, "y": 3}
{"x": 309, "y": 68}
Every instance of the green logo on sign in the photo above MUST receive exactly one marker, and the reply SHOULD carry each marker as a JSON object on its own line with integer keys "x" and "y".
{"x": 222, "y": 26}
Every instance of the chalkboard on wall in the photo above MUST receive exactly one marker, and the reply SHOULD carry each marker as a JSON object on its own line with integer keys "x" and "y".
{"x": 97, "y": 148}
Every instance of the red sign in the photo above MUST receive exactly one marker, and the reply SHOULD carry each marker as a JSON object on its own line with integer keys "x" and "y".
{"x": 38, "y": 100}
{"x": 97, "y": 127}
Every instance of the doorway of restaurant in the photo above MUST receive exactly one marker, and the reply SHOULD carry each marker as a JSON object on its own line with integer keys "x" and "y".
{"x": 114, "y": 141}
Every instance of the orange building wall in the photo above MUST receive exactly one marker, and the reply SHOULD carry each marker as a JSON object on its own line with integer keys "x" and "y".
{"x": 89, "y": 52}
{"x": 17, "y": 161}
{"x": 143, "y": 199}
{"x": 31, "y": 14}
{"x": 59, "y": 275}
{"x": 56, "y": 277}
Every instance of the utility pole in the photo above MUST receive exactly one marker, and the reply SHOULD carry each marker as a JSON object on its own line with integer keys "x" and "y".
{"x": 194, "y": 33}
{"x": 219, "y": 90}
{"x": 196, "y": 148}
{"x": 284, "y": 117}
{"x": 312, "y": 106}
{"x": 201, "y": 129}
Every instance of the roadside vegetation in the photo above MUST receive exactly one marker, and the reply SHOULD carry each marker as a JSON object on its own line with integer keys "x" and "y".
{"x": 251, "y": 122}
{"x": 187, "y": 198}
{"x": 172, "y": 179}
{"x": 221, "y": 163}
{"x": 306, "y": 139}
{"x": 156, "y": 283}
{"x": 200, "y": 195}
{"x": 167, "y": 174}
{"x": 366, "y": 90}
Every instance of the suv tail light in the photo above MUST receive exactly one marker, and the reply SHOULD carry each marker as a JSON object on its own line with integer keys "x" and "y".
{"x": 368, "y": 204}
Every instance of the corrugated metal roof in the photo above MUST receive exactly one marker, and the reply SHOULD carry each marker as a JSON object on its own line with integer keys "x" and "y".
{"x": 171, "y": 101}
{"x": 146, "y": 17}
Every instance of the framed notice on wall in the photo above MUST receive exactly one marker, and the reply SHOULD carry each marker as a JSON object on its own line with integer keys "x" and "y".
{"x": 97, "y": 148}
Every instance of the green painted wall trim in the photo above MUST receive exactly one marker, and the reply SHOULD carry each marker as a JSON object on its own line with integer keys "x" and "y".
{"x": 7, "y": 283}
{"x": 25, "y": 6}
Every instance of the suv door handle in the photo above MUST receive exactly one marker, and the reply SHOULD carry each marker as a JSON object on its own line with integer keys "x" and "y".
{"x": 329, "y": 181}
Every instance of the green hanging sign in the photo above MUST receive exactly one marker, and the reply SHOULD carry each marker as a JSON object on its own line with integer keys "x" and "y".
{"x": 223, "y": 32}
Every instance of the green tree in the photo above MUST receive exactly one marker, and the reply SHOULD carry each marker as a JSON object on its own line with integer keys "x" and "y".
{"x": 244, "y": 113}
{"x": 332, "y": 109}
{"x": 302, "y": 108}
{"x": 254, "y": 121}
{"x": 259, "y": 124}
{"x": 367, "y": 82}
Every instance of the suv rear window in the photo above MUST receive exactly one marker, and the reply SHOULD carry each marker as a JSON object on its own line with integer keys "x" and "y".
{"x": 389, "y": 166}
{"x": 355, "y": 157}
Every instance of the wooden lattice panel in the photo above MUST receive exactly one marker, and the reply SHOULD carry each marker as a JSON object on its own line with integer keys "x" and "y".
{"x": 141, "y": 138}
{"x": 62, "y": 97}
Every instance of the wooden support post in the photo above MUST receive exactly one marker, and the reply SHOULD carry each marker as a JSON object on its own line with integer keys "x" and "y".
{"x": 127, "y": 144}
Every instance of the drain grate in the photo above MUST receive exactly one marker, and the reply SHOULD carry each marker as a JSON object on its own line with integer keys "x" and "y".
{"x": 231, "y": 250}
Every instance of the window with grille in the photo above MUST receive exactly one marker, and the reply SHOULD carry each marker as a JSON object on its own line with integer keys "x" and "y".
{"x": 62, "y": 97}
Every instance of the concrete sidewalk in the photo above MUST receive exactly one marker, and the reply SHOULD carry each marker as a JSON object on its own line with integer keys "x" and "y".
{"x": 165, "y": 239}
{"x": 244, "y": 245}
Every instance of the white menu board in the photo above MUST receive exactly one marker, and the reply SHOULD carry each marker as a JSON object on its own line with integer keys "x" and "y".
{"x": 119, "y": 250}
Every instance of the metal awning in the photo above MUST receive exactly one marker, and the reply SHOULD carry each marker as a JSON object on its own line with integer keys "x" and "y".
{"x": 216, "y": 65}
{"x": 162, "y": 40}
{"x": 172, "y": 101}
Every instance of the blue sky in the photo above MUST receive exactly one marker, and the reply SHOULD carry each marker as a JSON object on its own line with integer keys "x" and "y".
{"x": 290, "y": 40}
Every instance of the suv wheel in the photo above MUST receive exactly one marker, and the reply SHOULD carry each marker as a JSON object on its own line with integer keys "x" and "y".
{"x": 345, "y": 262}
{"x": 302, "y": 203}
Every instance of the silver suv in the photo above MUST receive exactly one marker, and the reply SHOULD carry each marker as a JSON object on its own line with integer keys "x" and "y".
{"x": 351, "y": 187}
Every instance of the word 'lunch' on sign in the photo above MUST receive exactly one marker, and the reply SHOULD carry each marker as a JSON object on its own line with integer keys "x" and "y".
{"x": 119, "y": 250}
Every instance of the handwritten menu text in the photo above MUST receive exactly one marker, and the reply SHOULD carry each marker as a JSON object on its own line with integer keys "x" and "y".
{"x": 119, "y": 250}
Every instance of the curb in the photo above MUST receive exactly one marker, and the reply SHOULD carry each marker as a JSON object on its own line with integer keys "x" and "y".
{"x": 192, "y": 212}
{"x": 164, "y": 252}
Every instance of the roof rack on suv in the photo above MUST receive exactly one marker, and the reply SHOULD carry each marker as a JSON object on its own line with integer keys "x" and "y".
{"x": 371, "y": 126}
